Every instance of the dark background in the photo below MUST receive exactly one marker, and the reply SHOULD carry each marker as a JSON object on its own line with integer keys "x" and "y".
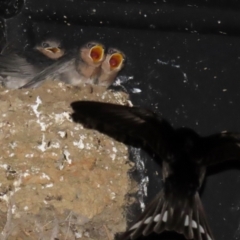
{"x": 185, "y": 62}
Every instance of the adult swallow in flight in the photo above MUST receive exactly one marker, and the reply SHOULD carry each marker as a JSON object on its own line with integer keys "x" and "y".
{"x": 185, "y": 156}
{"x": 110, "y": 67}
{"x": 19, "y": 67}
{"x": 77, "y": 66}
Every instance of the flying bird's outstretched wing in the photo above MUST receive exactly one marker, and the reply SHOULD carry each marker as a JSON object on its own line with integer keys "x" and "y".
{"x": 129, "y": 121}
{"x": 218, "y": 148}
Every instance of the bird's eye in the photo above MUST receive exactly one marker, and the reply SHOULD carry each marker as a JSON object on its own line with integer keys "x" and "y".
{"x": 111, "y": 51}
{"x": 45, "y": 45}
{"x": 90, "y": 45}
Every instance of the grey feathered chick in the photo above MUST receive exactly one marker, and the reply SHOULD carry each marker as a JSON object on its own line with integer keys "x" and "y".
{"x": 110, "y": 67}
{"x": 19, "y": 67}
{"x": 79, "y": 66}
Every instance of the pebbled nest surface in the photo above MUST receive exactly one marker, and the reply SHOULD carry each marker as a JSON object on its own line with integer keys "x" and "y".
{"x": 59, "y": 180}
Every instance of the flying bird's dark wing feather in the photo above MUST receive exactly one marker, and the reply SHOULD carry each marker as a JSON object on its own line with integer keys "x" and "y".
{"x": 129, "y": 121}
{"x": 219, "y": 148}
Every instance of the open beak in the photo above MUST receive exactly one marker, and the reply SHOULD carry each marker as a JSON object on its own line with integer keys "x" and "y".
{"x": 53, "y": 49}
{"x": 97, "y": 53}
{"x": 116, "y": 61}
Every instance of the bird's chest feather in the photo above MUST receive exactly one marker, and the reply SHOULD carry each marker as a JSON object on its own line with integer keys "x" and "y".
{"x": 183, "y": 176}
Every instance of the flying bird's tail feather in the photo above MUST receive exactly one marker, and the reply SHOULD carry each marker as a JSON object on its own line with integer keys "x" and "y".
{"x": 166, "y": 213}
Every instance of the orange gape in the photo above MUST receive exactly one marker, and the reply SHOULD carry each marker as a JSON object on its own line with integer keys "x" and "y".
{"x": 97, "y": 53}
{"x": 116, "y": 60}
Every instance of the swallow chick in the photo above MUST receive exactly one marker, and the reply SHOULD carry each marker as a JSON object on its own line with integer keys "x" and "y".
{"x": 19, "y": 67}
{"x": 77, "y": 66}
{"x": 184, "y": 155}
{"x": 110, "y": 67}
{"x": 89, "y": 62}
